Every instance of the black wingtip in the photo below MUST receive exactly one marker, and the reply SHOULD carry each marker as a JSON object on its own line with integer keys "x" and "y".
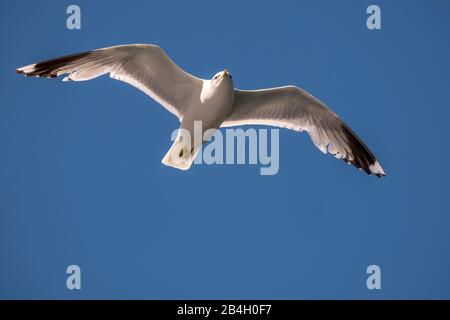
{"x": 380, "y": 175}
{"x": 362, "y": 157}
{"x": 51, "y": 68}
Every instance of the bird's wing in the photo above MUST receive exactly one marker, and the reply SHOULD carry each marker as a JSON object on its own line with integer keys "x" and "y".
{"x": 146, "y": 67}
{"x": 293, "y": 108}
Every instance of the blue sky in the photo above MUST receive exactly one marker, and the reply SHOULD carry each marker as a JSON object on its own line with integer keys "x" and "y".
{"x": 81, "y": 179}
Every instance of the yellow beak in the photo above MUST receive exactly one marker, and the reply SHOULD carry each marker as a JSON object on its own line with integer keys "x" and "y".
{"x": 225, "y": 73}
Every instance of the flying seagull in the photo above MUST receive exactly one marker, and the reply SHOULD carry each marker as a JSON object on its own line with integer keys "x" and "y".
{"x": 215, "y": 102}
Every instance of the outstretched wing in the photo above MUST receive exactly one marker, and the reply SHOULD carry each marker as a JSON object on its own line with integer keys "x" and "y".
{"x": 293, "y": 108}
{"x": 146, "y": 67}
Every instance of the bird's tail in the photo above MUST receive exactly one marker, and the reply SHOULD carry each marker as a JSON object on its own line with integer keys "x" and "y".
{"x": 180, "y": 155}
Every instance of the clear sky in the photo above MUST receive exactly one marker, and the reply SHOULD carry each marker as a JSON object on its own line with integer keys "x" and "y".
{"x": 81, "y": 179}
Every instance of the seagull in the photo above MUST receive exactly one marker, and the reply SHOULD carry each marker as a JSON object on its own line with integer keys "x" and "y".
{"x": 215, "y": 102}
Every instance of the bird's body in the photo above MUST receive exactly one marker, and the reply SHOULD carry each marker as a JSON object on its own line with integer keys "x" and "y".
{"x": 211, "y": 107}
{"x": 215, "y": 102}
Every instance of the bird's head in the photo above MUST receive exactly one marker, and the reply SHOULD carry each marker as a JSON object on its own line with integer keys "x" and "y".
{"x": 220, "y": 86}
{"x": 222, "y": 77}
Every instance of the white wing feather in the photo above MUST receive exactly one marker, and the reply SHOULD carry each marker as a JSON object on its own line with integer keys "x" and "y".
{"x": 293, "y": 108}
{"x": 146, "y": 67}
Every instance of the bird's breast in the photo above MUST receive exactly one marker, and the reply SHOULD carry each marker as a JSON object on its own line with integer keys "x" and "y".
{"x": 215, "y": 102}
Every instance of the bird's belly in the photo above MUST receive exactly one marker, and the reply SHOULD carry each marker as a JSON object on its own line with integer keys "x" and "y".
{"x": 209, "y": 114}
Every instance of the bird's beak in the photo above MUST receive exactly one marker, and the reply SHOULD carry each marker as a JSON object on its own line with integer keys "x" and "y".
{"x": 225, "y": 73}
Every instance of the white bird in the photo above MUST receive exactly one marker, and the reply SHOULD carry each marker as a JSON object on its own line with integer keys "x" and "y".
{"x": 215, "y": 102}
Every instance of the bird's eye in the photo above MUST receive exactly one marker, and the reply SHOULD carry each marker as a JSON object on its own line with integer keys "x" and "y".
{"x": 231, "y": 77}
